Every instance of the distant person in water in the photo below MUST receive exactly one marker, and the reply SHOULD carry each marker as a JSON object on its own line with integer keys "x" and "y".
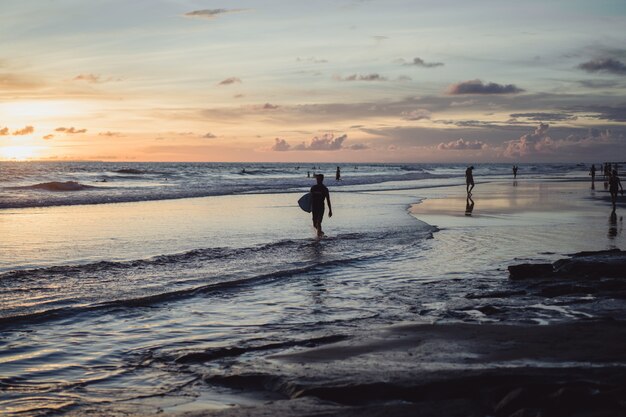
{"x": 514, "y": 171}
{"x": 338, "y": 174}
{"x": 469, "y": 180}
{"x": 614, "y": 184}
{"x": 319, "y": 193}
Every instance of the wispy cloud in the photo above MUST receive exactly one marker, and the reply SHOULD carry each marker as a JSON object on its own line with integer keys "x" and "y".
{"x": 4, "y": 131}
{"x": 70, "y": 130}
{"x": 478, "y": 87}
{"x": 110, "y": 134}
{"x": 209, "y": 135}
{"x": 269, "y": 106}
{"x": 357, "y": 77}
{"x": 419, "y": 114}
{"x": 95, "y": 78}
{"x": 542, "y": 117}
{"x": 48, "y": 137}
{"x": 608, "y": 65}
{"x": 462, "y": 145}
{"x": 229, "y": 81}
{"x": 26, "y": 131}
{"x": 612, "y": 113}
{"x": 419, "y": 62}
{"x": 211, "y": 13}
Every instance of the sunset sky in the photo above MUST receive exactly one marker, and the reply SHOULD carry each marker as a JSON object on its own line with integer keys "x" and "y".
{"x": 343, "y": 80}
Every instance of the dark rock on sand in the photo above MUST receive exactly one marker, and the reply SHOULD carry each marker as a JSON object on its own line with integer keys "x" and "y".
{"x": 588, "y": 265}
{"x": 525, "y": 271}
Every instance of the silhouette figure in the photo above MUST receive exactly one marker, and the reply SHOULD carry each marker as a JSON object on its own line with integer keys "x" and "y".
{"x": 515, "y": 171}
{"x": 338, "y": 174}
{"x": 592, "y": 172}
{"x": 308, "y": 174}
{"x": 319, "y": 193}
{"x": 469, "y": 205}
{"x": 614, "y": 184}
{"x": 469, "y": 180}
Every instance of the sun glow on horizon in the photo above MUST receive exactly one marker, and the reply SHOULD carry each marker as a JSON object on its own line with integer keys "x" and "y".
{"x": 19, "y": 152}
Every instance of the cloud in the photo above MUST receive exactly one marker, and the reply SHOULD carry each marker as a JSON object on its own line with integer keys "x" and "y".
{"x": 48, "y": 137}
{"x": 109, "y": 134}
{"x": 4, "y": 131}
{"x": 419, "y": 114}
{"x": 608, "y": 65}
{"x": 599, "y": 142}
{"x": 281, "y": 145}
{"x": 327, "y": 142}
{"x": 358, "y": 147}
{"x": 419, "y": 62}
{"x": 380, "y": 38}
{"x": 461, "y": 145}
{"x": 540, "y": 117}
{"x": 26, "y": 131}
{"x": 94, "y": 78}
{"x": 238, "y": 96}
{"x": 209, "y": 135}
{"x": 228, "y": 81}
{"x": 478, "y": 87}
{"x": 357, "y": 77}
{"x": 269, "y": 106}
{"x": 612, "y": 113}
{"x": 211, "y": 13}
{"x": 90, "y": 78}
{"x": 70, "y": 130}
{"x": 531, "y": 143}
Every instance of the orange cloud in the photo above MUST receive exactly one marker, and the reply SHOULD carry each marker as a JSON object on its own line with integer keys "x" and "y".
{"x": 70, "y": 130}
{"x": 26, "y": 131}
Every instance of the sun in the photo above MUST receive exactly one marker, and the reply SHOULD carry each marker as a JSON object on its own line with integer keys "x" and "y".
{"x": 19, "y": 152}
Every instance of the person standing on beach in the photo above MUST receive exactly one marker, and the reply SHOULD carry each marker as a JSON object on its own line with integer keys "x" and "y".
{"x": 514, "y": 171}
{"x": 592, "y": 172}
{"x": 469, "y": 180}
{"x": 338, "y": 174}
{"x": 614, "y": 183}
{"x": 319, "y": 193}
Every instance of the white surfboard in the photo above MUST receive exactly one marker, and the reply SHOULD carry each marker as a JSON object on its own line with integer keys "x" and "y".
{"x": 305, "y": 202}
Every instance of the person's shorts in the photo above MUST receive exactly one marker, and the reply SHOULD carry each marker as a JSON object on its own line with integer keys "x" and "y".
{"x": 318, "y": 215}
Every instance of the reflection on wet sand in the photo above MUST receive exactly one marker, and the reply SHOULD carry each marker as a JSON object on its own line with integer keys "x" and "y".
{"x": 469, "y": 206}
{"x": 615, "y": 228}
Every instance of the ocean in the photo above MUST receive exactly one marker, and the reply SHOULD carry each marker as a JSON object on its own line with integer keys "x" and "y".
{"x": 128, "y": 287}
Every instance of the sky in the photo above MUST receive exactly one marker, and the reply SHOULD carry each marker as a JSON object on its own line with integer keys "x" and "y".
{"x": 313, "y": 81}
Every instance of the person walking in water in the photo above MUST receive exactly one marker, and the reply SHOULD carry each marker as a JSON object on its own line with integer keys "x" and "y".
{"x": 614, "y": 184}
{"x": 338, "y": 174}
{"x": 514, "y": 171}
{"x": 319, "y": 193}
{"x": 469, "y": 180}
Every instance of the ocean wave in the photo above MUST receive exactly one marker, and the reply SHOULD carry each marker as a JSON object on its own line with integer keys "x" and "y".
{"x": 56, "y": 186}
{"x": 130, "y": 171}
{"x": 56, "y": 313}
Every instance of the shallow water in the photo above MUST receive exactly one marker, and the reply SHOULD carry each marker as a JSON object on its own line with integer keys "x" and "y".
{"x": 133, "y": 305}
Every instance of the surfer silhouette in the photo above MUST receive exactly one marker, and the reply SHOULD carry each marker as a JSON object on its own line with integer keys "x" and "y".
{"x": 319, "y": 193}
